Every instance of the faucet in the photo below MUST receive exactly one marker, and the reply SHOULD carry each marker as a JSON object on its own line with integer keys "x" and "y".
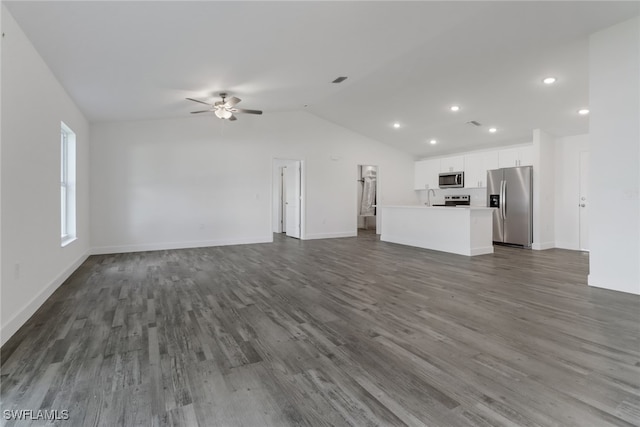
{"x": 429, "y": 192}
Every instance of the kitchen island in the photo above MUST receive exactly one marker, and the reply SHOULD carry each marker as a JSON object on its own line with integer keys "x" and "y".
{"x": 460, "y": 230}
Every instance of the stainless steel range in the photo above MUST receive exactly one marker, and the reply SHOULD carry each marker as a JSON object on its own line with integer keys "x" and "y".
{"x": 456, "y": 200}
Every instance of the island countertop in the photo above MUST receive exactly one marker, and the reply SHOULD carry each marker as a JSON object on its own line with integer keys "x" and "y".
{"x": 436, "y": 207}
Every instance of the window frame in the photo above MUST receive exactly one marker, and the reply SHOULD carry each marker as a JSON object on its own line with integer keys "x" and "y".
{"x": 67, "y": 185}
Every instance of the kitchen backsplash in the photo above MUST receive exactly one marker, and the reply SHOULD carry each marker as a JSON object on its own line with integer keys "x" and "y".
{"x": 478, "y": 195}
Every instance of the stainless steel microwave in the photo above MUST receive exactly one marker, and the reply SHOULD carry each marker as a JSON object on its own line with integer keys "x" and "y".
{"x": 451, "y": 180}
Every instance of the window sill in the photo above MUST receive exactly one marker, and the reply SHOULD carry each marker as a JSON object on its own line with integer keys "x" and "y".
{"x": 67, "y": 240}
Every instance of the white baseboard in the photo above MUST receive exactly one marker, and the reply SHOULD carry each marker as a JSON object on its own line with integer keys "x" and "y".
{"x": 542, "y": 246}
{"x": 11, "y": 327}
{"x": 330, "y": 235}
{"x": 103, "y": 250}
{"x": 613, "y": 285}
{"x": 481, "y": 251}
{"x": 567, "y": 245}
{"x": 417, "y": 243}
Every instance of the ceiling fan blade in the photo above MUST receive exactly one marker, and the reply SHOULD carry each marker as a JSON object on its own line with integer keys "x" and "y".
{"x": 232, "y": 118}
{"x": 242, "y": 110}
{"x": 232, "y": 101}
{"x": 202, "y": 111}
{"x": 197, "y": 100}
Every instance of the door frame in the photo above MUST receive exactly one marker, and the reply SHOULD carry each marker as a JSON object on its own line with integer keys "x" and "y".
{"x": 357, "y": 204}
{"x": 583, "y": 217}
{"x": 276, "y": 193}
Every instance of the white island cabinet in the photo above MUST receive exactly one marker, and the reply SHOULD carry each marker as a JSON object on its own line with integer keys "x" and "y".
{"x": 459, "y": 230}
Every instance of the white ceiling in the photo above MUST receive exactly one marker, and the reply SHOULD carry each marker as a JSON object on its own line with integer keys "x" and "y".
{"x": 405, "y": 62}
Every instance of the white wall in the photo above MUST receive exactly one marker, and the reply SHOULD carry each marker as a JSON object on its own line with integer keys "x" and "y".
{"x": 33, "y": 263}
{"x": 614, "y": 85}
{"x": 567, "y": 190}
{"x": 2, "y": 340}
{"x": 543, "y": 190}
{"x": 199, "y": 181}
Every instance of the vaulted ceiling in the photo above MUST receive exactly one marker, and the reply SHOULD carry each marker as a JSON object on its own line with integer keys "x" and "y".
{"x": 406, "y": 62}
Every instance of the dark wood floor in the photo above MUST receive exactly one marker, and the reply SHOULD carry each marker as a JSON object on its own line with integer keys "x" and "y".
{"x": 330, "y": 332}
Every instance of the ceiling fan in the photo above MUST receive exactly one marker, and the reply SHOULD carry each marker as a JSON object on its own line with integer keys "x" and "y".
{"x": 224, "y": 109}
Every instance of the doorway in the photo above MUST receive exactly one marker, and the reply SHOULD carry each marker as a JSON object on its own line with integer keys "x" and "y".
{"x": 367, "y": 196}
{"x": 583, "y": 203}
{"x": 287, "y": 197}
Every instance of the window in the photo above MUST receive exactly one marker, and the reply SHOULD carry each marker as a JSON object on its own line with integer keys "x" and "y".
{"x": 67, "y": 184}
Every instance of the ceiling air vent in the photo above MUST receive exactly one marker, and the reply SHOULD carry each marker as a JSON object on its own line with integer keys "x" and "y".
{"x": 474, "y": 123}
{"x": 339, "y": 80}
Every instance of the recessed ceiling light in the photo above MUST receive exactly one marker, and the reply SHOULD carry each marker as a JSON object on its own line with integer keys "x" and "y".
{"x": 583, "y": 111}
{"x": 493, "y": 130}
{"x": 396, "y": 125}
{"x": 433, "y": 142}
{"x": 549, "y": 80}
{"x": 455, "y": 108}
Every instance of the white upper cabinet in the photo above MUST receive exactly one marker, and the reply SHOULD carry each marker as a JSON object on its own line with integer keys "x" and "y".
{"x": 512, "y": 157}
{"x": 452, "y": 164}
{"x": 476, "y": 166}
{"x": 426, "y": 174}
{"x": 508, "y": 158}
{"x": 526, "y": 156}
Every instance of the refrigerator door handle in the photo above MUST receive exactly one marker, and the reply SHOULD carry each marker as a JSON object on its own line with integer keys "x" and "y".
{"x": 502, "y": 184}
{"x": 504, "y": 199}
{"x": 501, "y": 199}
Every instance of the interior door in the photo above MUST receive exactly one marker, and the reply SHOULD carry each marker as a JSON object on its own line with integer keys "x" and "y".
{"x": 282, "y": 206}
{"x": 583, "y": 203}
{"x": 293, "y": 189}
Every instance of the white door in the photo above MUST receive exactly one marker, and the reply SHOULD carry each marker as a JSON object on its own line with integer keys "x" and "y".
{"x": 282, "y": 206}
{"x": 293, "y": 188}
{"x": 583, "y": 203}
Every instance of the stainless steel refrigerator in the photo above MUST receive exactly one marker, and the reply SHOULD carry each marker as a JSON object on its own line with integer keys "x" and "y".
{"x": 510, "y": 190}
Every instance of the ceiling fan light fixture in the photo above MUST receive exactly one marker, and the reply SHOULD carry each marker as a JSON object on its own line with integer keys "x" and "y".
{"x": 225, "y": 108}
{"x": 221, "y": 113}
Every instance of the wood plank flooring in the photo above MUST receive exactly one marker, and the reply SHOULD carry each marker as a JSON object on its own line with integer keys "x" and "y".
{"x": 334, "y": 332}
